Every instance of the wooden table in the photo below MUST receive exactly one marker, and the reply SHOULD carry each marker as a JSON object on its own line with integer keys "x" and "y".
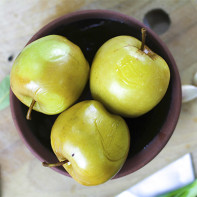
{"x": 21, "y": 173}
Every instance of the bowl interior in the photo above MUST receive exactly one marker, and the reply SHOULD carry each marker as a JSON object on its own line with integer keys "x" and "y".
{"x": 89, "y": 32}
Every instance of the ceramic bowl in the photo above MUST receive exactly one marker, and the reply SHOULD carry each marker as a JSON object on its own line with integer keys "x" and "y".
{"x": 89, "y": 30}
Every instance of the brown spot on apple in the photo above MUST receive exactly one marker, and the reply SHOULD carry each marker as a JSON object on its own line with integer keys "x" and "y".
{"x": 150, "y": 53}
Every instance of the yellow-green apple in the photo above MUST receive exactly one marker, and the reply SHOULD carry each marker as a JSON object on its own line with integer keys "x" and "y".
{"x": 127, "y": 77}
{"x": 91, "y": 143}
{"x": 50, "y": 73}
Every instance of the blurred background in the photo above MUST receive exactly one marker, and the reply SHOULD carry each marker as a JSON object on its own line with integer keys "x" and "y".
{"x": 21, "y": 174}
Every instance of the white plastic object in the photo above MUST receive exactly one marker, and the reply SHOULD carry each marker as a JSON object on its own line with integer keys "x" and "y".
{"x": 189, "y": 92}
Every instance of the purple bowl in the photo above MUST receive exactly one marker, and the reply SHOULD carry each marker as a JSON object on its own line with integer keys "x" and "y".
{"x": 89, "y": 30}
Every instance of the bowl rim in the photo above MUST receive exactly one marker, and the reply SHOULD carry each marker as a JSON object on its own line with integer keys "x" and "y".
{"x": 166, "y": 131}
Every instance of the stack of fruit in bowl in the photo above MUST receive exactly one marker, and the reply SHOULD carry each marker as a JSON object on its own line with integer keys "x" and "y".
{"x": 90, "y": 138}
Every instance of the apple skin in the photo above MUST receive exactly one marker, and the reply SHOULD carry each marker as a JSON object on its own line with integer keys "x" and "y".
{"x": 51, "y": 70}
{"x": 127, "y": 80}
{"x": 95, "y": 142}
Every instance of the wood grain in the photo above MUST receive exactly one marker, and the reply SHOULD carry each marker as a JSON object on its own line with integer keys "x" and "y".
{"x": 21, "y": 173}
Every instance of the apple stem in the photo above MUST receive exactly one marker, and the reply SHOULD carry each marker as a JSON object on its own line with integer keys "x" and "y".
{"x": 28, "y": 116}
{"x": 143, "y": 30}
{"x": 45, "y": 164}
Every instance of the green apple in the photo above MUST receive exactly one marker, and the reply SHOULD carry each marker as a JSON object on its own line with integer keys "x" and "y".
{"x": 127, "y": 77}
{"x": 92, "y": 143}
{"x": 50, "y": 73}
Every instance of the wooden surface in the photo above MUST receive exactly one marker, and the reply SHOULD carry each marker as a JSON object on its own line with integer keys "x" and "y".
{"x": 21, "y": 173}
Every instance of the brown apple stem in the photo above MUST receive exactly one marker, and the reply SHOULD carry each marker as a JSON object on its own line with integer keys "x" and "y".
{"x": 28, "y": 116}
{"x": 45, "y": 164}
{"x": 143, "y": 30}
